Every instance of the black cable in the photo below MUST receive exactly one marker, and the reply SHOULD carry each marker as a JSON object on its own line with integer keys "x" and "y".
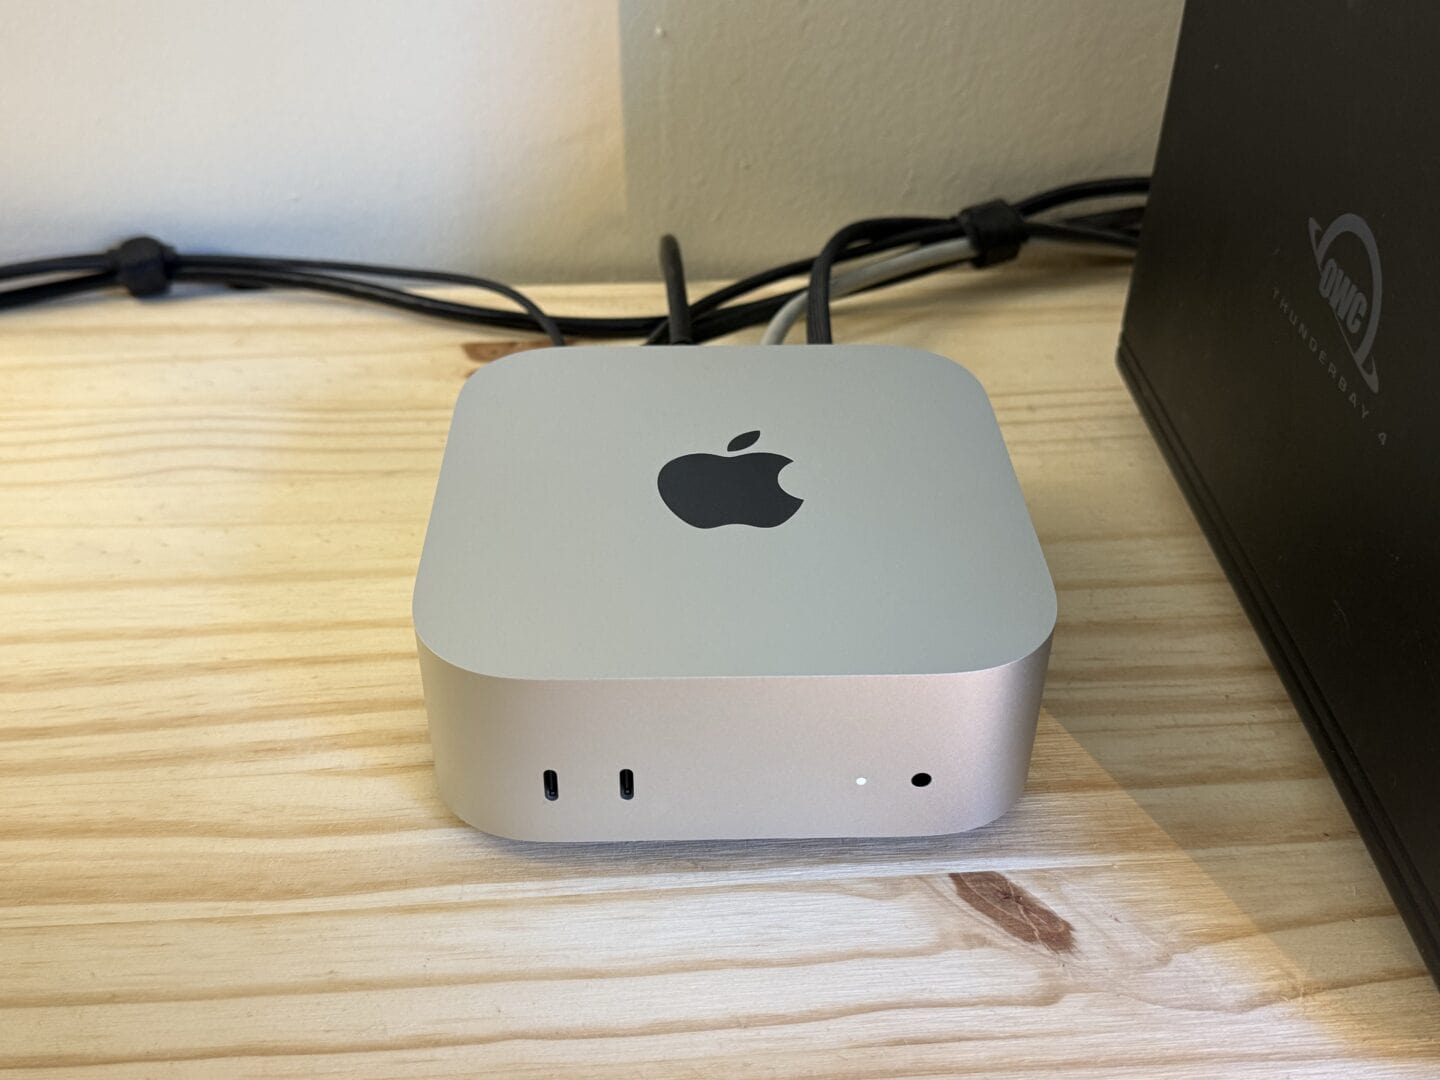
{"x": 1085, "y": 189}
{"x": 64, "y": 265}
{"x": 230, "y": 269}
{"x": 728, "y": 320}
{"x": 1126, "y": 219}
{"x": 53, "y": 290}
{"x": 352, "y": 289}
{"x": 817, "y": 316}
{"x": 677, "y": 299}
{"x": 1082, "y": 234}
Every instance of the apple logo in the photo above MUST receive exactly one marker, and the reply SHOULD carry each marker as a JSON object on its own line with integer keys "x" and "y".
{"x": 706, "y": 490}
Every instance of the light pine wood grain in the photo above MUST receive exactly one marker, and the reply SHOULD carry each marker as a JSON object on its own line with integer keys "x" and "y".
{"x": 222, "y": 853}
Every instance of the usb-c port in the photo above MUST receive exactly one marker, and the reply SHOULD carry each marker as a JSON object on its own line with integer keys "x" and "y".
{"x": 552, "y": 785}
{"x": 627, "y": 784}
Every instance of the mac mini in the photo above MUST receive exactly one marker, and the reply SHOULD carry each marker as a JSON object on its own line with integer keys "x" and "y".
{"x": 704, "y": 593}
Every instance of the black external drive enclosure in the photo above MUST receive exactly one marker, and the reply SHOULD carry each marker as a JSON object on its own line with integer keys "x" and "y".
{"x": 1280, "y": 338}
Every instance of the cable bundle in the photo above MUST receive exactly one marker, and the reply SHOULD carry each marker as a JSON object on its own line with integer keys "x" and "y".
{"x": 981, "y": 235}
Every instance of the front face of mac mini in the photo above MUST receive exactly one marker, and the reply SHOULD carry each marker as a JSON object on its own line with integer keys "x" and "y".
{"x": 723, "y": 593}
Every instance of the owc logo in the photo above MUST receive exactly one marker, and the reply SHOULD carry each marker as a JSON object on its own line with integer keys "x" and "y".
{"x": 1350, "y": 286}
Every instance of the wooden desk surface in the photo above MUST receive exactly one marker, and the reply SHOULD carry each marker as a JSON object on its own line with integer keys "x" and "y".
{"x": 222, "y": 853}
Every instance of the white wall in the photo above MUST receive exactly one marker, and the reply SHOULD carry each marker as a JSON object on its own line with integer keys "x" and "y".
{"x": 536, "y": 139}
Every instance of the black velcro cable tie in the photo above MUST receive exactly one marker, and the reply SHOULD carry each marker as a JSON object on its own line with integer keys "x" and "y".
{"x": 995, "y": 229}
{"x": 143, "y": 266}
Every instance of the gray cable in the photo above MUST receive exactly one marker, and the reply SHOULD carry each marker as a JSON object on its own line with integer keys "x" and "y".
{"x": 876, "y": 273}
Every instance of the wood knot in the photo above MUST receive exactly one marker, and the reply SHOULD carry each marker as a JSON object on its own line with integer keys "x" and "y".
{"x": 1014, "y": 910}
